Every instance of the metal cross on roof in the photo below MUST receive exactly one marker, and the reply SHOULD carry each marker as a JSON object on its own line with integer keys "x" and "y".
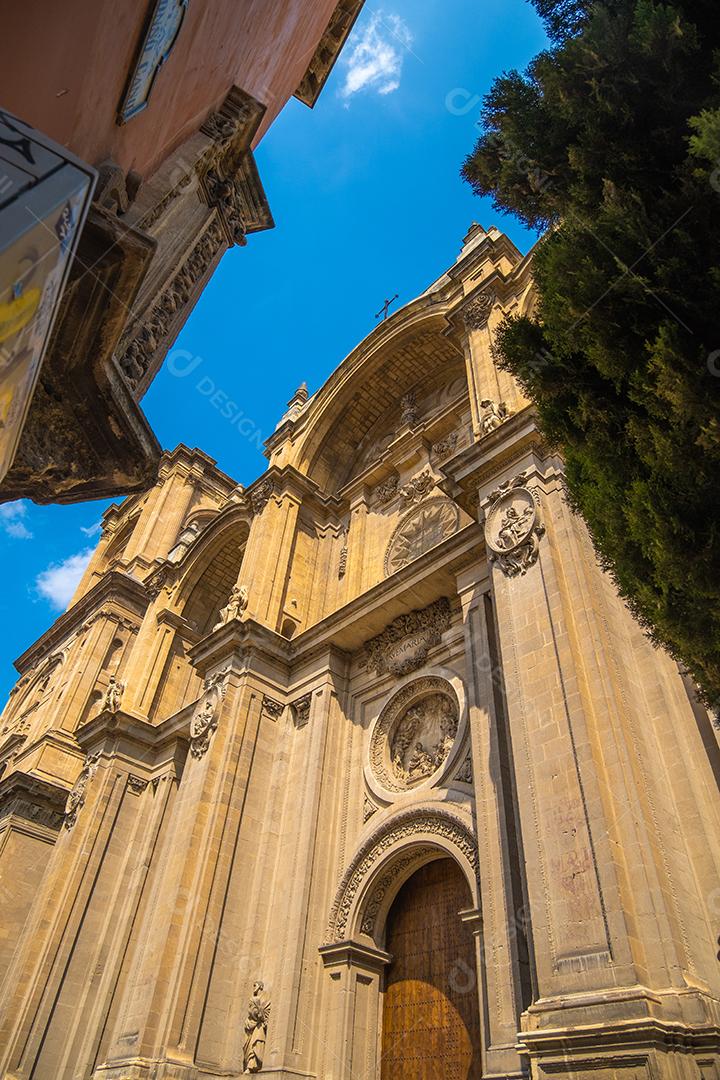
{"x": 384, "y": 309}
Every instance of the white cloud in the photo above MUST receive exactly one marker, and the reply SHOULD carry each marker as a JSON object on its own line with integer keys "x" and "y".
{"x": 91, "y": 530}
{"x": 11, "y": 520}
{"x": 375, "y": 60}
{"x": 60, "y": 580}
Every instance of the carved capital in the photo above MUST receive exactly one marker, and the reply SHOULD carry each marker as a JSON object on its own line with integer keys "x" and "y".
{"x": 261, "y": 495}
{"x": 271, "y": 708}
{"x": 301, "y": 710}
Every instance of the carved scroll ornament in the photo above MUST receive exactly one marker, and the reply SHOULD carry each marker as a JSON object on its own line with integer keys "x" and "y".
{"x": 403, "y": 646}
{"x": 204, "y": 720}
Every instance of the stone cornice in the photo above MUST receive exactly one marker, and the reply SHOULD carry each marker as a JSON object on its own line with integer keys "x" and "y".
{"x": 354, "y": 954}
{"x": 114, "y": 587}
{"x": 241, "y": 640}
{"x": 482, "y": 461}
{"x": 328, "y": 49}
{"x": 137, "y": 741}
{"x": 38, "y": 802}
{"x": 420, "y": 583}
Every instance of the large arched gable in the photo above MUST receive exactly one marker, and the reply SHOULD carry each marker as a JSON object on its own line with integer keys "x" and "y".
{"x": 412, "y": 354}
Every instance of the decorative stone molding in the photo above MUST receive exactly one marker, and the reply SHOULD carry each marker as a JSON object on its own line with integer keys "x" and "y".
{"x": 386, "y": 491}
{"x": 409, "y": 413}
{"x": 136, "y": 360}
{"x": 513, "y": 527}
{"x": 271, "y": 708}
{"x": 261, "y": 495}
{"x": 301, "y": 710}
{"x": 35, "y": 801}
{"x": 476, "y": 314}
{"x": 419, "y": 823}
{"x": 136, "y": 784}
{"x": 342, "y": 561}
{"x": 204, "y": 720}
{"x": 403, "y": 646}
{"x": 446, "y": 445}
{"x": 492, "y": 416}
{"x": 256, "y": 1026}
{"x": 409, "y": 862}
{"x": 417, "y": 488}
{"x": 423, "y": 528}
{"x": 327, "y": 51}
{"x": 224, "y": 194}
{"x": 465, "y": 772}
{"x": 369, "y": 808}
{"x": 160, "y": 579}
{"x": 414, "y": 734}
{"x": 78, "y": 793}
{"x": 235, "y": 607}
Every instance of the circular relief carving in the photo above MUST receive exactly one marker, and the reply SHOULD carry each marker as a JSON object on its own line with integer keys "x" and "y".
{"x": 512, "y": 528}
{"x": 510, "y": 521}
{"x": 414, "y": 734}
{"x": 420, "y": 530}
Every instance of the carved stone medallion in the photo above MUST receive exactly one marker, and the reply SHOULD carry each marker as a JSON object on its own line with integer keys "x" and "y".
{"x": 512, "y": 527}
{"x": 431, "y": 523}
{"x": 414, "y": 734}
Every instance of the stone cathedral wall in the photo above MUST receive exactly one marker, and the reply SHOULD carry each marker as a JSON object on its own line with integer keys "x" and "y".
{"x": 267, "y": 707}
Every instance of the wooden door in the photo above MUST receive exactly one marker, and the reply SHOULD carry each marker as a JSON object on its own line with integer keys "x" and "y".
{"x": 431, "y": 1021}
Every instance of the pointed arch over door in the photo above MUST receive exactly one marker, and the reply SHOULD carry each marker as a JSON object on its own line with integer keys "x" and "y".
{"x": 431, "y": 1015}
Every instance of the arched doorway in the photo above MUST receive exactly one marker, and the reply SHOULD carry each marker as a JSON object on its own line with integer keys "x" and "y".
{"x": 431, "y": 1021}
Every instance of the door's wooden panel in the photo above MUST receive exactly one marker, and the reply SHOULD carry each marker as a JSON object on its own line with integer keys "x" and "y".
{"x": 431, "y": 1022}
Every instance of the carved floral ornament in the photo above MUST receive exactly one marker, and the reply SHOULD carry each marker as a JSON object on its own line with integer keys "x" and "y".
{"x": 204, "y": 720}
{"x": 414, "y": 735}
{"x": 513, "y": 527}
{"x": 417, "y": 835}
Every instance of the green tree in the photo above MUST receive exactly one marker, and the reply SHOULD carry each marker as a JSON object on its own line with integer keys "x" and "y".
{"x": 610, "y": 145}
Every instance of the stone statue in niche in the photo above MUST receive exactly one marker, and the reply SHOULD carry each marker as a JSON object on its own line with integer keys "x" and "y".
{"x": 236, "y": 605}
{"x": 423, "y": 738}
{"x": 492, "y": 415}
{"x": 113, "y": 694}
{"x": 256, "y": 1029}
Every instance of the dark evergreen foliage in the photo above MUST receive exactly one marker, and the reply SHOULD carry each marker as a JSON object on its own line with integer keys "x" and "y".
{"x": 610, "y": 142}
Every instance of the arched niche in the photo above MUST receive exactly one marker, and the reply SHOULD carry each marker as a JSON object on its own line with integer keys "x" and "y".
{"x": 354, "y": 954}
{"x": 365, "y": 395}
{"x": 212, "y": 568}
{"x": 392, "y": 851}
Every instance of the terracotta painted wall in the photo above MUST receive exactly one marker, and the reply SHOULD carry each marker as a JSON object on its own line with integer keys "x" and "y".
{"x": 64, "y": 68}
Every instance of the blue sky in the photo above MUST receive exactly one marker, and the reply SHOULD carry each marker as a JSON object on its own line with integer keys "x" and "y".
{"x": 368, "y": 202}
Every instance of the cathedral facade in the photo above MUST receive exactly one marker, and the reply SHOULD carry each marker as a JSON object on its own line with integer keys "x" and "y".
{"x": 363, "y": 771}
